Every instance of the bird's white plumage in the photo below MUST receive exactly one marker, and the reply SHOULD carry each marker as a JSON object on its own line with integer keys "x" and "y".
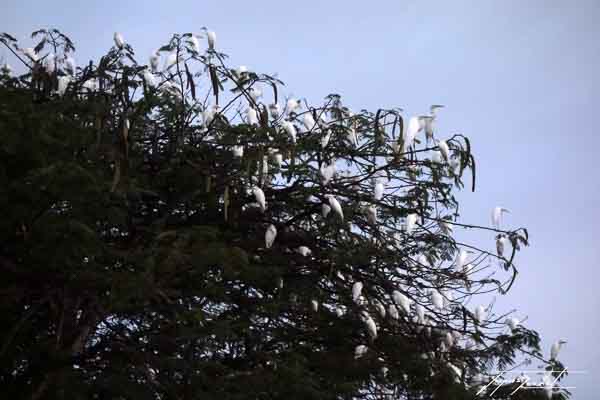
{"x": 401, "y": 300}
{"x": 360, "y": 351}
{"x": 290, "y": 129}
{"x": 461, "y": 259}
{"x": 444, "y": 149}
{"x": 70, "y": 66}
{"x": 259, "y": 195}
{"x": 325, "y": 210}
{"x": 278, "y": 159}
{"x": 512, "y": 323}
{"x": 314, "y": 305}
{"x": 119, "y": 41}
{"x": 30, "y": 52}
{"x": 327, "y": 173}
{"x": 497, "y": 216}
{"x": 274, "y": 110}
{"x": 292, "y": 105}
{"x": 308, "y": 121}
{"x": 555, "y": 348}
{"x": 212, "y": 39}
{"x": 270, "y": 236}
{"x": 372, "y": 215}
{"x": 194, "y": 44}
{"x": 480, "y": 314}
{"x": 339, "y": 312}
{"x": 251, "y": 116}
{"x": 411, "y": 220}
{"x": 238, "y": 151}
{"x": 393, "y": 312}
{"x": 304, "y": 251}
{"x": 436, "y": 299}
{"x": 325, "y": 138}
{"x": 336, "y": 207}
{"x": 371, "y": 326}
{"x": 378, "y": 191}
{"x": 414, "y": 126}
{"x": 356, "y": 291}
{"x": 63, "y": 83}
{"x": 155, "y": 61}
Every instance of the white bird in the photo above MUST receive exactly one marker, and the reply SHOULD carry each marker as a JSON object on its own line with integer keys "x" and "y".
{"x": 241, "y": 70}
{"x": 449, "y": 339}
{"x": 270, "y": 235}
{"x": 194, "y": 44}
{"x": 154, "y": 61}
{"x": 422, "y": 261}
{"x": 436, "y": 157}
{"x": 255, "y": 93}
{"x": 411, "y": 220}
{"x": 555, "y": 348}
{"x": 420, "y": 313}
{"x": 384, "y": 371}
{"x": 444, "y": 149}
{"x": 50, "y": 63}
{"x": 380, "y": 309}
{"x": 501, "y": 244}
{"x": 280, "y": 283}
{"x": 149, "y": 78}
{"x": 356, "y": 291}
{"x": 119, "y": 41}
{"x": 304, "y": 251}
{"x": 512, "y": 323}
{"x": 278, "y": 159}
{"x": 339, "y": 312}
{"x": 336, "y": 207}
{"x": 171, "y": 60}
{"x": 251, "y": 116}
{"x": 292, "y": 105}
{"x": 480, "y": 314}
{"x": 436, "y": 299}
{"x": 497, "y": 216}
{"x": 327, "y": 173}
{"x": 290, "y": 129}
{"x": 30, "y": 52}
{"x": 401, "y": 300}
{"x": 461, "y": 259}
{"x": 393, "y": 312}
{"x": 63, "y": 83}
{"x": 427, "y": 124}
{"x": 325, "y": 139}
{"x": 372, "y": 215}
{"x": 414, "y": 126}
{"x": 212, "y": 38}
{"x": 360, "y": 351}
{"x": 325, "y": 210}
{"x": 70, "y": 66}
{"x": 371, "y": 326}
{"x": 378, "y": 191}
{"x": 259, "y": 195}
{"x": 315, "y": 305}
{"x": 352, "y": 137}
{"x": 274, "y": 110}
{"x": 238, "y": 151}
{"x": 457, "y": 372}
{"x": 308, "y": 121}
{"x": 207, "y": 115}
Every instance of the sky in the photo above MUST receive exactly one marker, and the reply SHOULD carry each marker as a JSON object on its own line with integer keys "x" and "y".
{"x": 519, "y": 78}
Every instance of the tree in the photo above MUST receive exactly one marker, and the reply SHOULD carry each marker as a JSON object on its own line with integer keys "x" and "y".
{"x": 176, "y": 233}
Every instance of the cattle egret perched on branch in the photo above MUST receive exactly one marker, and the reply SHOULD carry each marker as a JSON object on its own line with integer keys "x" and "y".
{"x": 414, "y": 126}
{"x": 171, "y": 60}
{"x": 325, "y": 210}
{"x": 314, "y": 305}
{"x": 238, "y": 151}
{"x": 444, "y": 149}
{"x": 325, "y": 139}
{"x": 555, "y": 348}
{"x": 259, "y": 195}
{"x": 154, "y": 61}
{"x": 327, "y": 173}
{"x": 401, "y": 300}
{"x": 290, "y": 129}
{"x": 63, "y": 83}
{"x": 449, "y": 339}
{"x": 70, "y": 66}
{"x": 420, "y": 313}
{"x": 497, "y": 216}
{"x": 380, "y": 309}
{"x": 292, "y": 105}
{"x": 378, "y": 191}
{"x": 255, "y": 93}
{"x": 436, "y": 299}
{"x": 501, "y": 244}
{"x": 360, "y": 351}
{"x": 411, "y": 220}
{"x": 512, "y": 323}
{"x": 212, "y": 38}
{"x": 436, "y": 157}
{"x": 278, "y": 159}
{"x": 427, "y": 124}
{"x": 270, "y": 235}
{"x": 119, "y": 41}
{"x": 251, "y": 116}
{"x": 461, "y": 259}
{"x": 393, "y": 312}
{"x": 274, "y": 110}
{"x": 309, "y": 122}
{"x": 372, "y": 215}
{"x": 371, "y": 327}
{"x": 356, "y": 291}
{"x": 30, "y": 52}
{"x": 50, "y": 63}
{"x": 339, "y": 312}
{"x": 336, "y": 207}
{"x": 304, "y": 251}
{"x": 480, "y": 314}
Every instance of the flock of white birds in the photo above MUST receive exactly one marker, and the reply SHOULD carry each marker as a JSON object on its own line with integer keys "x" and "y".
{"x": 400, "y": 304}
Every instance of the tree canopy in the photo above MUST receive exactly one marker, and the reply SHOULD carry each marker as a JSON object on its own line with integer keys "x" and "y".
{"x": 177, "y": 229}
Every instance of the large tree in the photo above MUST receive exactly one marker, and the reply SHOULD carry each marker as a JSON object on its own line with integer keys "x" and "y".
{"x": 177, "y": 231}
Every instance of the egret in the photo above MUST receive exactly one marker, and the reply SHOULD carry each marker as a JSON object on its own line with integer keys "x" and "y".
{"x": 259, "y": 195}
{"x": 436, "y": 157}
{"x": 325, "y": 139}
{"x": 457, "y": 372}
{"x": 207, "y": 115}
{"x": 449, "y": 339}
{"x": 238, "y": 151}
{"x": 149, "y": 78}
{"x": 339, "y": 312}
{"x": 378, "y": 191}
{"x": 422, "y": 260}
{"x": 315, "y": 305}
{"x": 309, "y": 122}
{"x": 212, "y": 38}
{"x": 30, "y": 52}
{"x": 280, "y": 283}
{"x": 70, "y": 66}
{"x": 327, "y": 173}
{"x": 380, "y": 309}
{"x": 154, "y": 61}
{"x": 119, "y": 41}
{"x": 555, "y": 348}
{"x": 274, "y": 110}
{"x": 497, "y": 216}
{"x": 171, "y": 60}
{"x": 270, "y": 235}
{"x": 501, "y": 245}
{"x": 384, "y": 371}
{"x": 325, "y": 210}
{"x": 371, "y": 327}
{"x": 336, "y": 207}
{"x": 445, "y": 150}
{"x": 360, "y": 351}
{"x": 356, "y": 291}
{"x": 393, "y": 312}
{"x": 480, "y": 314}
{"x": 304, "y": 251}
{"x": 401, "y": 300}
{"x": 414, "y": 126}
{"x": 241, "y": 70}
{"x": 290, "y": 130}
{"x": 411, "y": 220}
{"x": 50, "y": 63}
{"x": 352, "y": 137}
{"x": 512, "y": 323}
{"x": 194, "y": 44}
{"x": 437, "y": 299}
{"x": 372, "y": 215}
{"x": 63, "y": 83}
{"x": 420, "y": 313}
{"x": 292, "y": 105}
{"x": 251, "y": 116}
{"x": 278, "y": 159}
{"x": 427, "y": 123}
{"x": 461, "y": 259}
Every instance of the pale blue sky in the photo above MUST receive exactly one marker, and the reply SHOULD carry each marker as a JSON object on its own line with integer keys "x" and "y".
{"x": 520, "y": 78}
